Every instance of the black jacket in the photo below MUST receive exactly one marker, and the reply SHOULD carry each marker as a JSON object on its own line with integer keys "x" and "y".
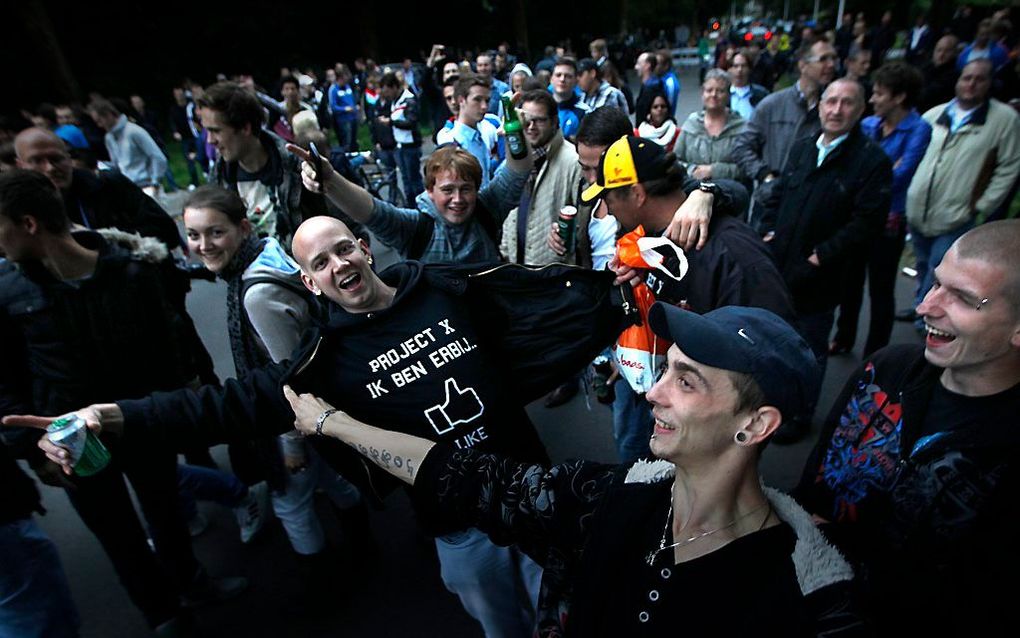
{"x": 931, "y": 522}
{"x": 111, "y": 200}
{"x": 733, "y": 268}
{"x": 835, "y": 210}
{"x": 114, "y": 335}
{"x": 20, "y": 496}
{"x": 939, "y": 85}
{"x": 591, "y": 527}
{"x": 536, "y": 326}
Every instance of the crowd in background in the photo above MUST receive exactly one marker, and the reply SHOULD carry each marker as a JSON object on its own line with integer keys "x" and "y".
{"x": 817, "y": 155}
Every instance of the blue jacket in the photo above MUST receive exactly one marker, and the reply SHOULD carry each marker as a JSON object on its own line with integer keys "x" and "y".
{"x": 671, "y": 85}
{"x": 342, "y": 103}
{"x": 996, "y": 53}
{"x": 570, "y": 112}
{"x": 905, "y": 148}
{"x": 499, "y": 87}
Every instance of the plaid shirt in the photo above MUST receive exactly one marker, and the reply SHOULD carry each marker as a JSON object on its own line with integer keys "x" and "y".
{"x": 606, "y": 95}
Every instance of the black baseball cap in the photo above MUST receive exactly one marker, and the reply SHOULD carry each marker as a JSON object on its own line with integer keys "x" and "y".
{"x": 629, "y": 160}
{"x": 586, "y": 64}
{"x": 753, "y": 341}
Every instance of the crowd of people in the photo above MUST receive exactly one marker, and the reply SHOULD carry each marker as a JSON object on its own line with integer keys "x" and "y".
{"x": 812, "y": 160}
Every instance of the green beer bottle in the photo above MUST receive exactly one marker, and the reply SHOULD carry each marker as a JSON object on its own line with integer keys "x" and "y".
{"x": 514, "y": 130}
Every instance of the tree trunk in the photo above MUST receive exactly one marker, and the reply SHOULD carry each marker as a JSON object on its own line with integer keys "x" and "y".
{"x": 45, "y": 52}
{"x": 368, "y": 30}
{"x": 521, "y": 29}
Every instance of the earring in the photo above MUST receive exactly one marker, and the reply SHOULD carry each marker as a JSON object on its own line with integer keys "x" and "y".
{"x": 370, "y": 260}
{"x": 316, "y": 292}
{"x": 740, "y": 437}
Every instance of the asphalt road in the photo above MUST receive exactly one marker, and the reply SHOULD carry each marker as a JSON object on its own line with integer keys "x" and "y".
{"x": 399, "y": 593}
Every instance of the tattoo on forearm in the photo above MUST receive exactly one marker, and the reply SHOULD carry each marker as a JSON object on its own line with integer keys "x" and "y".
{"x": 387, "y": 460}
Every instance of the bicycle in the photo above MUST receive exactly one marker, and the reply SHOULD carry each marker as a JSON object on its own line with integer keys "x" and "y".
{"x": 379, "y": 180}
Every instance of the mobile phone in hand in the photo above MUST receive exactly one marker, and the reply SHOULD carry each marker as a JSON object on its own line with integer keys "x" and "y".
{"x": 316, "y": 162}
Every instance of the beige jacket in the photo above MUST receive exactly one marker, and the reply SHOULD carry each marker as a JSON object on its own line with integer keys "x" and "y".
{"x": 965, "y": 174}
{"x": 558, "y": 184}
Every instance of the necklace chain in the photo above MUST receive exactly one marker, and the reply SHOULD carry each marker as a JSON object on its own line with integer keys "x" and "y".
{"x": 652, "y": 555}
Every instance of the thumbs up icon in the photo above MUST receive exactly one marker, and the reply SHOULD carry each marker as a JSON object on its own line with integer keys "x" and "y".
{"x": 460, "y": 406}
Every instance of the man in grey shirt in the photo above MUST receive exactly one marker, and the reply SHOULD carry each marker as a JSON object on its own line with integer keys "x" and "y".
{"x": 784, "y": 117}
{"x": 132, "y": 150}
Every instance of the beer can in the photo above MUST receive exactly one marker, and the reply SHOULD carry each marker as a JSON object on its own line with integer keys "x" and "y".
{"x": 88, "y": 454}
{"x": 565, "y": 226}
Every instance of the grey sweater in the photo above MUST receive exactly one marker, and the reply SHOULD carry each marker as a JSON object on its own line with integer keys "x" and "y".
{"x": 134, "y": 153}
{"x": 696, "y": 147}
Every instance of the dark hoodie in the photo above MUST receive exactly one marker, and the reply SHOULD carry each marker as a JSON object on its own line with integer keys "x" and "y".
{"x": 415, "y": 367}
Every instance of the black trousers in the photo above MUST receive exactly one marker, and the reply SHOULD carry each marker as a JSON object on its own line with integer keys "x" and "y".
{"x": 880, "y": 266}
{"x": 153, "y": 581}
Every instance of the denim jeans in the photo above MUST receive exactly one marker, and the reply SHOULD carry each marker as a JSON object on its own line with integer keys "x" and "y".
{"x": 632, "y": 423}
{"x": 346, "y": 134}
{"x": 929, "y": 252}
{"x": 498, "y": 586}
{"x": 409, "y": 161}
{"x": 196, "y": 483}
{"x": 295, "y": 505}
{"x": 35, "y": 598}
{"x": 387, "y": 157}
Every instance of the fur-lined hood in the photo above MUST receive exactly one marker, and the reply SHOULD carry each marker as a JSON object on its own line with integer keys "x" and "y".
{"x": 147, "y": 249}
{"x": 817, "y": 562}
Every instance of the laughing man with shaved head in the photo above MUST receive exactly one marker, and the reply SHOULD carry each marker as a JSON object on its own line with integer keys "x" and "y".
{"x": 408, "y": 348}
{"x": 917, "y": 464}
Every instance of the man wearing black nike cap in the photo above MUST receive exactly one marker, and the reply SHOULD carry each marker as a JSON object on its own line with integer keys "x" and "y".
{"x": 638, "y": 549}
{"x": 643, "y": 185}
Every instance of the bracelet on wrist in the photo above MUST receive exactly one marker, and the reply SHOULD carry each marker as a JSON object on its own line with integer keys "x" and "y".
{"x": 319, "y": 422}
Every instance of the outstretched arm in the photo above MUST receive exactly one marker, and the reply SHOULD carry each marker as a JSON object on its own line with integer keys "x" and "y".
{"x": 510, "y": 501}
{"x": 100, "y": 417}
{"x": 345, "y": 195}
{"x": 239, "y": 411}
{"x": 399, "y": 454}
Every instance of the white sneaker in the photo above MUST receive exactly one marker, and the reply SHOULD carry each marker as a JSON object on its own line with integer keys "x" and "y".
{"x": 253, "y": 510}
